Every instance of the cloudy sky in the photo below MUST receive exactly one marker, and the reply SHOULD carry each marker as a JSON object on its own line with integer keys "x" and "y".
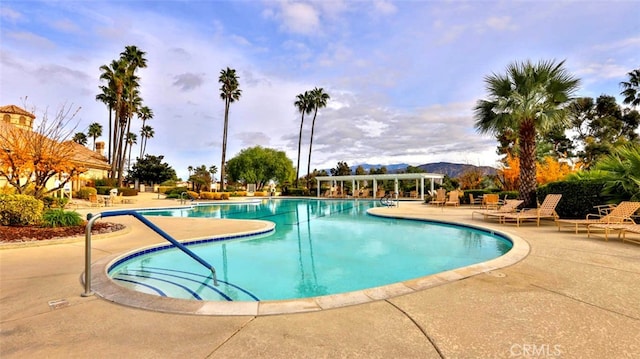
{"x": 403, "y": 76}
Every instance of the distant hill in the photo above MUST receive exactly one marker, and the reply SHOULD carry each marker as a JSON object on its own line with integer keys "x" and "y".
{"x": 454, "y": 169}
{"x": 447, "y": 168}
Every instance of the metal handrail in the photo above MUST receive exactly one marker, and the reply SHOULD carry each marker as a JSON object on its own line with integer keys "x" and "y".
{"x": 87, "y": 255}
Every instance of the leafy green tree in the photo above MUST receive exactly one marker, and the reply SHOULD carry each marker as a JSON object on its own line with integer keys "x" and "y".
{"x": 342, "y": 169}
{"x": 95, "y": 131}
{"x": 601, "y": 126}
{"x": 631, "y": 89}
{"x": 80, "y": 138}
{"x": 378, "y": 171}
{"x": 201, "y": 178}
{"x": 528, "y": 99}
{"x": 151, "y": 169}
{"x": 260, "y": 165}
{"x": 304, "y": 104}
{"x": 229, "y": 93}
{"x": 319, "y": 100}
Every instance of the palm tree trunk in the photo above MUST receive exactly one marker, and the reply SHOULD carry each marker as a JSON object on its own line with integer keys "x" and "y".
{"x": 528, "y": 182}
{"x": 299, "y": 144}
{"x": 227, "y": 102}
{"x": 313, "y": 125}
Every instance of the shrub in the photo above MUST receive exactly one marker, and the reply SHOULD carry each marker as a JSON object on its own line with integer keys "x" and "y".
{"x": 292, "y": 191}
{"x": 239, "y": 194}
{"x": 193, "y": 195}
{"x": 85, "y": 192}
{"x": 225, "y": 195}
{"x": 207, "y": 195}
{"x": 260, "y": 194}
{"x": 54, "y": 202}
{"x": 578, "y": 197}
{"x": 61, "y": 218}
{"x": 127, "y": 192}
{"x": 20, "y": 210}
{"x": 174, "y": 192}
{"x": 105, "y": 182}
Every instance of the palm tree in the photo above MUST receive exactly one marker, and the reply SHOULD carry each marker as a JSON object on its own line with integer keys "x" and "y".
{"x": 80, "y": 138}
{"x": 304, "y": 105}
{"x": 319, "y": 100}
{"x": 229, "y": 92}
{"x": 132, "y": 139}
{"x": 145, "y": 133}
{"x": 145, "y": 113}
{"x": 108, "y": 97}
{"x": 528, "y": 99}
{"x": 213, "y": 170}
{"x": 95, "y": 131}
{"x": 631, "y": 89}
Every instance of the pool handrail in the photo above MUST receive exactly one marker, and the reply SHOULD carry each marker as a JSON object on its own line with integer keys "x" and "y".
{"x": 92, "y": 218}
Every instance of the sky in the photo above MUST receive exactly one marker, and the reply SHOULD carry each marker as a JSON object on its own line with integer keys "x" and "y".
{"x": 403, "y": 76}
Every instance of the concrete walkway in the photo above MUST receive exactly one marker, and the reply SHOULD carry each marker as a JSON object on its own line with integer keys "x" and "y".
{"x": 571, "y": 297}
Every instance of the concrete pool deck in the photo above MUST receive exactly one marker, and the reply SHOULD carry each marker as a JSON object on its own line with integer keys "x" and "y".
{"x": 571, "y": 297}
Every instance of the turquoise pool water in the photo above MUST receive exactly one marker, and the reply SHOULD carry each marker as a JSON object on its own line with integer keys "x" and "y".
{"x": 319, "y": 247}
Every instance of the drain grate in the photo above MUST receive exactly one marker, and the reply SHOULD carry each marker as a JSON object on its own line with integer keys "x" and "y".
{"x": 58, "y": 303}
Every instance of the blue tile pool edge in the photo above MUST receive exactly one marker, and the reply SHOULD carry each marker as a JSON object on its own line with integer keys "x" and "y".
{"x": 107, "y": 289}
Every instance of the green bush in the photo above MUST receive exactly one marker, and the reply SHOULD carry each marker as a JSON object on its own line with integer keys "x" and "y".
{"x": 85, "y": 192}
{"x": 292, "y": 191}
{"x": 61, "y": 218}
{"x": 127, "y": 192}
{"x": 20, "y": 210}
{"x": 175, "y": 192}
{"x": 105, "y": 182}
{"x": 55, "y": 202}
{"x": 578, "y": 197}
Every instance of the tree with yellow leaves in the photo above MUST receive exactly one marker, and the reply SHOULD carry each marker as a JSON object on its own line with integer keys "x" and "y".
{"x": 30, "y": 159}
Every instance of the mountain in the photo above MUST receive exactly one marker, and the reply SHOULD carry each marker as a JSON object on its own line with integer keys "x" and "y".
{"x": 447, "y": 168}
{"x": 454, "y": 169}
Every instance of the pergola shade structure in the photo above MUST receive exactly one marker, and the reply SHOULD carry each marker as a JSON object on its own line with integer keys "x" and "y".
{"x": 357, "y": 179}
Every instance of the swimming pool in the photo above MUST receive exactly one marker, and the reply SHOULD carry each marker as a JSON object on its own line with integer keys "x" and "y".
{"x": 319, "y": 248}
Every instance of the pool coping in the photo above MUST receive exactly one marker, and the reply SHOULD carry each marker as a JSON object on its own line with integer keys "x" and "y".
{"x": 104, "y": 287}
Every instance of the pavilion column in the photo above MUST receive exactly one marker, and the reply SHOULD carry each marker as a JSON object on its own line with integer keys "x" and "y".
{"x": 318, "y": 187}
{"x": 375, "y": 188}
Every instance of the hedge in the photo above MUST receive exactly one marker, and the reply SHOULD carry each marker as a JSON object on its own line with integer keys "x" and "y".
{"x": 578, "y": 197}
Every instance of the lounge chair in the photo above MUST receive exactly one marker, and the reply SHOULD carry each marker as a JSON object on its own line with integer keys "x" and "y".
{"x": 474, "y": 201}
{"x": 546, "y": 210}
{"x": 95, "y": 201}
{"x": 491, "y": 201}
{"x": 441, "y": 197}
{"x": 633, "y": 228}
{"x": 453, "y": 200}
{"x": 509, "y": 207}
{"x": 619, "y": 214}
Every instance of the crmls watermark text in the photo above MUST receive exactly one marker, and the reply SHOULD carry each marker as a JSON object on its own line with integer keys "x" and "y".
{"x": 535, "y": 351}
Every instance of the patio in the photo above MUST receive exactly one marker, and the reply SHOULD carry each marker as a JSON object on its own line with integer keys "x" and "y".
{"x": 572, "y": 296}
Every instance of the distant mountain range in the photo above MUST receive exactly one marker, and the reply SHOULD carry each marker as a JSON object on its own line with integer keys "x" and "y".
{"x": 447, "y": 168}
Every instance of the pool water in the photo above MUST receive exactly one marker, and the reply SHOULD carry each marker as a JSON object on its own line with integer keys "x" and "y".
{"x": 319, "y": 247}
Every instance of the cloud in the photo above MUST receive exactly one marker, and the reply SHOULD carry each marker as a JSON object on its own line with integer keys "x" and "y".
{"x": 188, "y": 81}
{"x": 298, "y": 18}
{"x": 382, "y": 7}
{"x": 11, "y": 15}
{"x": 26, "y": 38}
{"x": 66, "y": 25}
{"x": 500, "y": 23}
{"x": 55, "y": 73}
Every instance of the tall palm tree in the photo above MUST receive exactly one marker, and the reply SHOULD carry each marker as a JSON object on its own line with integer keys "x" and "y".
{"x": 229, "y": 92}
{"x": 95, "y": 131}
{"x": 145, "y": 113}
{"x": 145, "y": 133}
{"x": 528, "y": 99}
{"x": 319, "y": 100}
{"x": 213, "y": 170}
{"x": 631, "y": 89}
{"x": 304, "y": 105}
{"x": 132, "y": 139}
{"x": 80, "y": 138}
{"x": 108, "y": 97}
